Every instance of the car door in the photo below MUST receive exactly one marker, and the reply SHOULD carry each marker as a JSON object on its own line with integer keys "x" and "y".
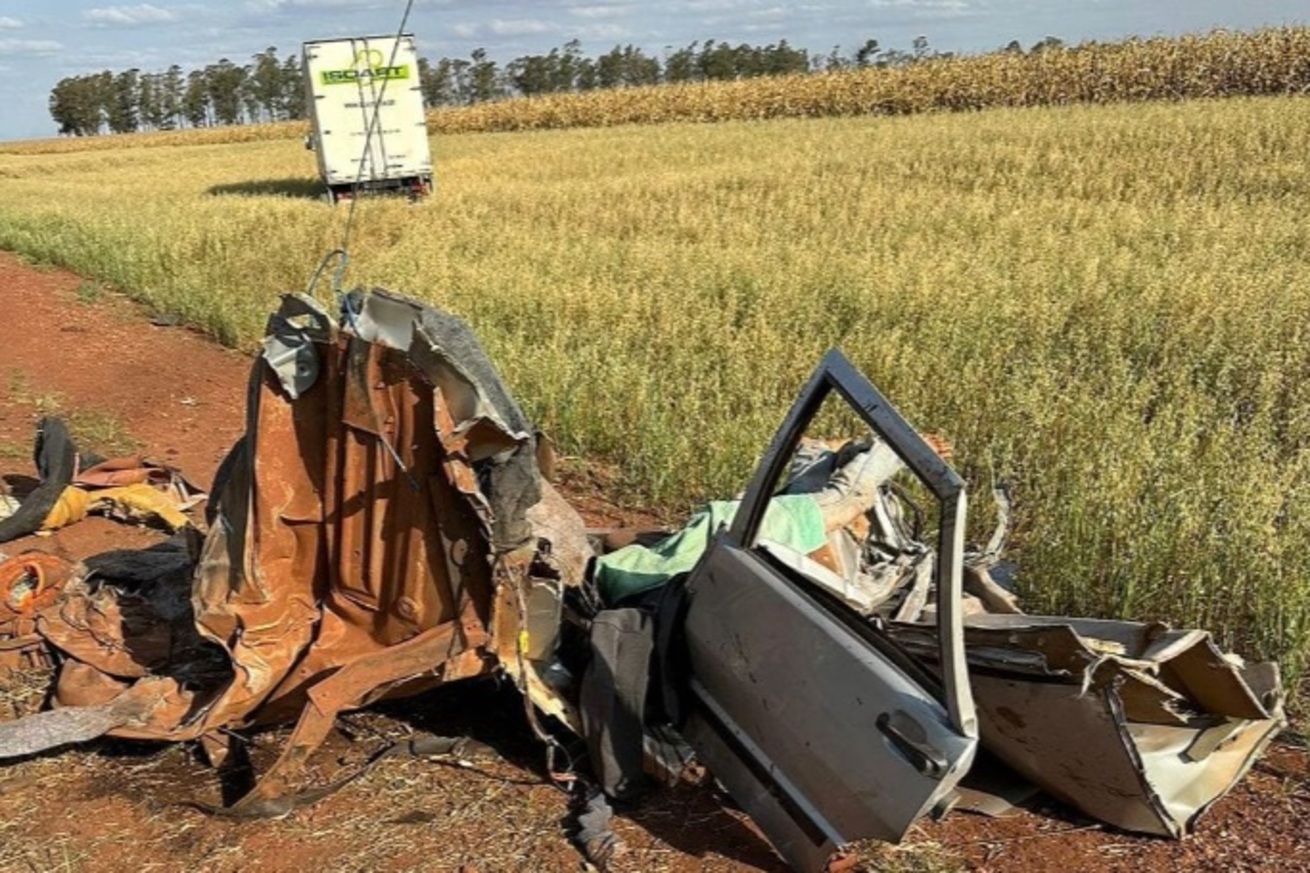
{"x": 819, "y": 727}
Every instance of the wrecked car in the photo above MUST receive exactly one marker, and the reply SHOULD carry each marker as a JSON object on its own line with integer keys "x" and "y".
{"x": 825, "y": 645}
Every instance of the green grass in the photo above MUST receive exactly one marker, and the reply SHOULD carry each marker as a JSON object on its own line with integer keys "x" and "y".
{"x": 21, "y": 391}
{"x": 101, "y": 433}
{"x": 93, "y": 431}
{"x": 90, "y": 292}
{"x": 1105, "y": 306}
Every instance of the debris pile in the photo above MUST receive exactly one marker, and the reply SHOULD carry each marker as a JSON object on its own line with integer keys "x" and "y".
{"x": 824, "y": 645}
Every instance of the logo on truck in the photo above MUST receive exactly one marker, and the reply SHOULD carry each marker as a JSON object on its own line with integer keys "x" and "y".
{"x": 369, "y": 65}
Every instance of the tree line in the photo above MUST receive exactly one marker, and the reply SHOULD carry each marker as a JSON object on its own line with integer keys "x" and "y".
{"x": 266, "y": 89}
{"x": 479, "y": 78}
{"x": 270, "y": 89}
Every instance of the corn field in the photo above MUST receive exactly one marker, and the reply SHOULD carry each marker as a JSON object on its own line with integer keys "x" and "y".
{"x": 1218, "y": 64}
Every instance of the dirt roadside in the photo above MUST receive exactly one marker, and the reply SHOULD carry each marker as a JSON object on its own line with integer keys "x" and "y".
{"x": 68, "y": 345}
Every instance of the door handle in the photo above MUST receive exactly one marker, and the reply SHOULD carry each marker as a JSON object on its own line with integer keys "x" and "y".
{"x": 909, "y": 738}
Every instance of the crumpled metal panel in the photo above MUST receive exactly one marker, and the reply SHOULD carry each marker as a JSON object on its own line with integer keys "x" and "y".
{"x": 352, "y": 535}
{"x": 368, "y": 536}
{"x": 1137, "y": 725}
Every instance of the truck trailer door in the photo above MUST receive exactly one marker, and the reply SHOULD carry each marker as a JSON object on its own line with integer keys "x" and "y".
{"x": 366, "y": 90}
{"x": 811, "y": 717}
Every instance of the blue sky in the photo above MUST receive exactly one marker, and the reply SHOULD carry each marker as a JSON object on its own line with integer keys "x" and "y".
{"x": 42, "y": 42}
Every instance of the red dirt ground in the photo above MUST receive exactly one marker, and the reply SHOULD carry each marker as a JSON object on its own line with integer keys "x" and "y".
{"x": 120, "y": 806}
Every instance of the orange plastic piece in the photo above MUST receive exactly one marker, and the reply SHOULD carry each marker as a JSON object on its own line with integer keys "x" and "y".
{"x": 30, "y": 582}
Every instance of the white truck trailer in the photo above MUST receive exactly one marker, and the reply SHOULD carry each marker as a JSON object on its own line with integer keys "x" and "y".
{"x": 350, "y": 79}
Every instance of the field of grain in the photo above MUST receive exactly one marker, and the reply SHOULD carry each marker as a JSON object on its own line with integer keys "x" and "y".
{"x": 1218, "y": 64}
{"x": 1105, "y": 306}
{"x": 1272, "y": 61}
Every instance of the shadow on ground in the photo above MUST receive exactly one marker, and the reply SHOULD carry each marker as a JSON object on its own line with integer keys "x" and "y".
{"x": 312, "y": 189}
{"x": 688, "y": 818}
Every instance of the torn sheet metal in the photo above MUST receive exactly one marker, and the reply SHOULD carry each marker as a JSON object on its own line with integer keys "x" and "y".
{"x": 369, "y": 536}
{"x": 1135, "y": 724}
{"x": 69, "y": 724}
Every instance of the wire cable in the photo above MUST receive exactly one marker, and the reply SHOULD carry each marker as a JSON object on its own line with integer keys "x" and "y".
{"x": 368, "y": 137}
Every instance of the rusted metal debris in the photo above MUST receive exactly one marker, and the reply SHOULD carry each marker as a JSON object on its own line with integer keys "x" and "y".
{"x": 29, "y": 584}
{"x": 384, "y": 527}
{"x": 370, "y": 536}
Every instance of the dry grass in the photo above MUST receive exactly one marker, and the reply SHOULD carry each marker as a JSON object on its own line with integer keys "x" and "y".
{"x": 93, "y": 430}
{"x": 119, "y": 806}
{"x": 1104, "y": 305}
{"x": 161, "y": 138}
{"x": 23, "y": 691}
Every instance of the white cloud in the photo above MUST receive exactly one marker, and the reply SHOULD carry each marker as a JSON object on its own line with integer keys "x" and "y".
{"x": 9, "y": 23}
{"x": 602, "y": 32}
{"x": 30, "y": 46}
{"x": 520, "y": 26}
{"x": 142, "y": 13}
{"x": 507, "y": 28}
{"x": 605, "y": 10}
{"x": 114, "y": 60}
{"x": 319, "y": 5}
{"x": 717, "y": 5}
{"x": 939, "y": 6}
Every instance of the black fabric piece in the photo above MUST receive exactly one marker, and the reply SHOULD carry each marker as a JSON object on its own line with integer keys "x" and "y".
{"x": 56, "y": 462}
{"x": 153, "y": 586}
{"x": 670, "y": 667}
{"x": 613, "y": 698}
{"x": 135, "y": 569}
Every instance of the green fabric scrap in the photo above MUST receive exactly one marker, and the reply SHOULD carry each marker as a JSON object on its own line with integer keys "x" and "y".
{"x": 792, "y": 520}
